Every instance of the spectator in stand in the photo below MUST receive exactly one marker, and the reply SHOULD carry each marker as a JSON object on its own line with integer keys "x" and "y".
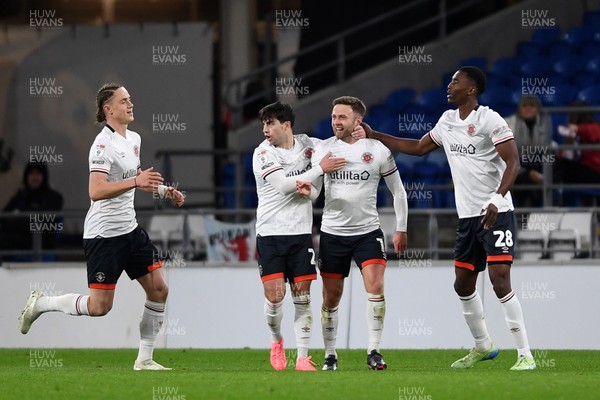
{"x": 35, "y": 196}
{"x": 532, "y": 130}
{"x": 584, "y": 129}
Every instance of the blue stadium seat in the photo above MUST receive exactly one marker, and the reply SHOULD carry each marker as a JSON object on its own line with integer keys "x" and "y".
{"x": 560, "y": 50}
{"x": 576, "y": 36}
{"x": 593, "y": 65}
{"x": 497, "y": 80}
{"x": 437, "y": 157}
{"x": 563, "y": 96}
{"x": 529, "y": 50}
{"x": 591, "y": 95}
{"x": 505, "y": 110}
{"x": 558, "y": 119}
{"x": 590, "y": 50}
{"x": 434, "y": 99}
{"x": 585, "y": 80}
{"x": 546, "y": 36}
{"x": 379, "y": 111}
{"x": 496, "y": 96}
{"x": 570, "y": 66}
{"x": 407, "y": 161}
{"x": 479, "y": 62}
{"x": 539, "y": 67}
{"x": 323, "y": 129}
{"x": 506, "y": 66}
{"x": 391, "y": 127}
{"x": 424, "y": 173}
{"x": 417, "y": 109}
{"x": 400, "y": 98}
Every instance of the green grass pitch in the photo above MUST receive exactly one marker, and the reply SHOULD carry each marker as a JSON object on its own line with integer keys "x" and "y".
{"x": 65, "y": 374}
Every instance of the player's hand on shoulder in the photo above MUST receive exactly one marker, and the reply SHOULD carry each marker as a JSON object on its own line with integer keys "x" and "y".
{"x": 400, "y": 241}
{"x": 149, "y": 179}
{"x": 329, "y": 164}
{"x": 303, "y": 188}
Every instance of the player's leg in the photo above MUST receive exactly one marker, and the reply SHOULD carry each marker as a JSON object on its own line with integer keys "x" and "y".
{"x": 301, "y": 268}
{"x": 334, "y": 260}
{"x": 271, "y": 269}
{"x": 103, "y": 273}
{"x": 302, "y": 324}
{"x": 499, "y": 242}
{"x": 469, "y": 260}
{"x": 144, "y": 265}
{"x": 370, "y": 255}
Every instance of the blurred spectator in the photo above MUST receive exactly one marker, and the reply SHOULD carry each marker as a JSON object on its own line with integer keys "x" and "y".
{"x": 584, "y": 129}
{"x": 36, "y": 195}
{"x": 532, "y": 129}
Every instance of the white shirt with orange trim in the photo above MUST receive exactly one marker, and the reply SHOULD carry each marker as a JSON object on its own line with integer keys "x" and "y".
{"x": 351, "y": 193}
{"x": 278, "y": 213}
{"x": 476, "y": 166}
{"x": 119, "y": 158}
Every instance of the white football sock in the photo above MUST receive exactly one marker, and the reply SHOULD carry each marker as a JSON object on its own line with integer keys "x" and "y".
{"x": 513, "y": 314}
{"x": 150, "y": 325}
{"x": 274, "y": 314}
{"x": 329, "y": 325}
{"x": 375, "y": 319}
{"x": 70, "y": 303}
{"x": 473, "y": 312}
{"x": 302, "y": 324}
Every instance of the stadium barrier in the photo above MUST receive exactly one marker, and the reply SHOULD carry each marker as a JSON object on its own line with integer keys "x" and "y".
{"x": 422, "y": 309}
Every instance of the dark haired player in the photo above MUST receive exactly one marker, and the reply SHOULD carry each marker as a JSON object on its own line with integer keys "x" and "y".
{"x": 484, "y": 163}
{"x": 112, "y": 239}
{"x": 284, "y": 226}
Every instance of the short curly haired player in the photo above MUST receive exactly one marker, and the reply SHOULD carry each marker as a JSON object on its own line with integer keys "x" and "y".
{"x": 484, "y": 163}
{"x": 113, "y": 240}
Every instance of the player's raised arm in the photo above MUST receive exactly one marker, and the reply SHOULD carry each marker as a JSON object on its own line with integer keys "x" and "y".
{"x": 402, "y": 145}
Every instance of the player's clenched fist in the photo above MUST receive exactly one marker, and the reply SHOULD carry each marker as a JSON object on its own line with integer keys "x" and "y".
{"x": 303, "y": 188}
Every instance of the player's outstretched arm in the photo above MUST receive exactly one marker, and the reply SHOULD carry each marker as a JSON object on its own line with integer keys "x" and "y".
{"x": 402, "y": 145}
{"x": 100, "y": 188}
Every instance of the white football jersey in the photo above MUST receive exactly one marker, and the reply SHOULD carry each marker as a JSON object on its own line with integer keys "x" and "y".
{"x": 351, "y": 193}
{"x": 476, "y": 166}
{"x": 119, "y": 158}
{"x": 279, "y": 214}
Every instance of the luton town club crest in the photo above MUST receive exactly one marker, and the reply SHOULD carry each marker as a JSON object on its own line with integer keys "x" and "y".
{"x": 471, "y": 129}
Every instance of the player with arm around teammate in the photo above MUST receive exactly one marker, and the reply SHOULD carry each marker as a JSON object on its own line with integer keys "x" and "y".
{"x": 113, "y": 240}
{"x": 284, "y": 226}
{"x": 484, "y": 163}
{"x": 350, "y": 226}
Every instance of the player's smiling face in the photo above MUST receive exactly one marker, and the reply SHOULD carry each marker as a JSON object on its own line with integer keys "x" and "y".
{"x": 120, "y": 107}
{"x": 343, "y": 121}
{"x": 460, "y": 88}
{"x": 276, "y": 132}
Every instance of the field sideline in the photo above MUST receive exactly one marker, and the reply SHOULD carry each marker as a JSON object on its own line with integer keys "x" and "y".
{"x": 246, "y": 374}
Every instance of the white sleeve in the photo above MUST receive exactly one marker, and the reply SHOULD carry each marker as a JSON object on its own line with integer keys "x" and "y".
{"x": 316, "y": 189}
{"x": 287, "y": 184}
{"x": 394, "y": 183}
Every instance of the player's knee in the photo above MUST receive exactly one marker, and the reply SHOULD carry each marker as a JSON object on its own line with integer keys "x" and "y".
{"x": 274, "y": 296}
{"x": 462, "y": 289}
{"x": 160, "y": 293}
